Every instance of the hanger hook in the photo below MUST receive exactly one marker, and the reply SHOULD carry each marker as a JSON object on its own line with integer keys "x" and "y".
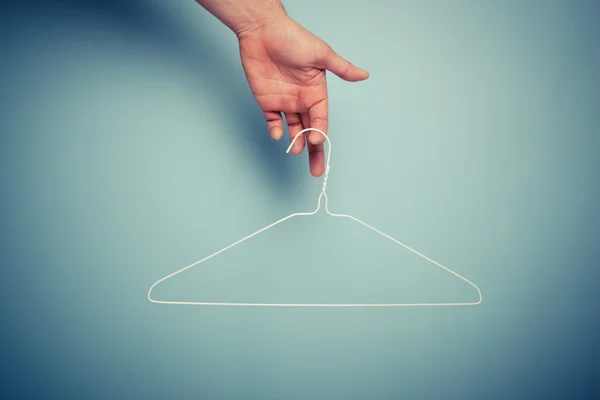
{"x": 328, "y": 152}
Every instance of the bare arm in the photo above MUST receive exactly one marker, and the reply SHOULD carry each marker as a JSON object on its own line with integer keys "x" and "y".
{"x": 243, "y": 16}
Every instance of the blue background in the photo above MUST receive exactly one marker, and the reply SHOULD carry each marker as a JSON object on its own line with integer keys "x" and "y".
{"x": 131, "y": 146}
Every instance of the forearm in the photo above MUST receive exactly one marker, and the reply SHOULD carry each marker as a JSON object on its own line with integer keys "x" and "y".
{"x": 243, "y": 16}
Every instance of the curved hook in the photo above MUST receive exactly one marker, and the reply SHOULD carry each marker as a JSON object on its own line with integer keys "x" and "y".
{"x": 327, "y": 165}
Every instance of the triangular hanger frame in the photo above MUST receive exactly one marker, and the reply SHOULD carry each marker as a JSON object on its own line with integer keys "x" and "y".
{"x": 323, "y": 194}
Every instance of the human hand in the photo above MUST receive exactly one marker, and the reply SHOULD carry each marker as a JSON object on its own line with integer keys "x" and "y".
{"x": 285, "y": 66}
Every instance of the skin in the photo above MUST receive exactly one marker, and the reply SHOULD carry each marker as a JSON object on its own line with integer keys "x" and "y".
{"x": 286, "y": 66}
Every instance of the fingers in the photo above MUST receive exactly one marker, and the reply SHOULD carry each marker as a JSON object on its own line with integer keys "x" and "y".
{"x": 294, "y": 123}
{"x": 316, "y": 159}
{"x": 342, "y": 67}
{"x": 316, "y": 117}
{"x": 274, "y": 124}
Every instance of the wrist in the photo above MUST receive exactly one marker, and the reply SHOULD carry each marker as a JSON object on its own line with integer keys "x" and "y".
{"x": 262, "y": 15}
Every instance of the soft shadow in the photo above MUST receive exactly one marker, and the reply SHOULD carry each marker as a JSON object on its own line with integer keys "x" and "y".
{"x": 217, "y": 71}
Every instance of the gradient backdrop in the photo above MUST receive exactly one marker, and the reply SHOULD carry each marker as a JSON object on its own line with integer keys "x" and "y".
{"x": 130, "y": 146}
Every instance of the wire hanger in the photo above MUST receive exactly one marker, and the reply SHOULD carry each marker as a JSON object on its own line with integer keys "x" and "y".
{"x": 323, "y": 194}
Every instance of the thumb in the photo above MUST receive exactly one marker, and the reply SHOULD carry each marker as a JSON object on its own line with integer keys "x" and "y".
{"x": 342, "y": 67}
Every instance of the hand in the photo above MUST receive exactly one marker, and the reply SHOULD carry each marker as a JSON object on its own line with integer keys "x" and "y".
{"x": 285, "y": 66}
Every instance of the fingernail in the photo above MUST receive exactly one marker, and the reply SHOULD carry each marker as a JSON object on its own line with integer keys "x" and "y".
{"x": 278, "y": 133}
{"x": 297, "y": 147}
{"x": 315, "y": 138}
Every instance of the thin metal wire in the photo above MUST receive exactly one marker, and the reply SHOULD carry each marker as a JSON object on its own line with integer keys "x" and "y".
{"x": 323, "y": 194}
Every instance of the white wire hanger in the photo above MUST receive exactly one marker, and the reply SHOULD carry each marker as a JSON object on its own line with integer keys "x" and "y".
{"x": 323, "y": 194}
